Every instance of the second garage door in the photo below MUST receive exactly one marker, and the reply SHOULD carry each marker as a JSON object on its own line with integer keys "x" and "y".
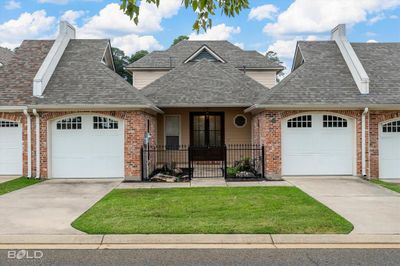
{"x": 389, "y": 150}
{"x": 317, "y": 144}
{"x": 10, "y": 148}
{"x": 87, "y": 146}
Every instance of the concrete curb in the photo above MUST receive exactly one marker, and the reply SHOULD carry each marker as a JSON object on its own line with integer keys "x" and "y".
{"x": 262, "y": 241}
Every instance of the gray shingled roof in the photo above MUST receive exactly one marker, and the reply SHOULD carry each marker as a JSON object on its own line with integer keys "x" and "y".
{"x": 324, "y": 77}
{"x": 81, "y": 78}
{"x": 16, "y": 77}
{"x": 204, "y": 83}
{"x": 5, "y": 55}
{"x": 177, "y": 54}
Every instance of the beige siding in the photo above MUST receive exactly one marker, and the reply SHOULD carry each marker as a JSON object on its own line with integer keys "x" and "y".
{"x": 143, "y": 78}
{"x": 266, "y": 78}
{"x": 233, "y": 135}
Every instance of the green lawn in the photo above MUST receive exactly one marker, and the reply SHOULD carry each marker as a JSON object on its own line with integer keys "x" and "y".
{"x": 391, "y": 186}
{"x": 17, "y": 183}
{"x": 243, "y": 210}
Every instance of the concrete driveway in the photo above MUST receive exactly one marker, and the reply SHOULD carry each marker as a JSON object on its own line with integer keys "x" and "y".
{"x": 370, "y": 208}
{"x": 51, "y": 206}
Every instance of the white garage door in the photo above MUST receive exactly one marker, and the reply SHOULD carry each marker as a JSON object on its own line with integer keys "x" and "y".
{"x": 389, "y": 150}
{"x": 317, "y": 144}
{"x": 10, "y": 148}
{"x": 87, "y": 146}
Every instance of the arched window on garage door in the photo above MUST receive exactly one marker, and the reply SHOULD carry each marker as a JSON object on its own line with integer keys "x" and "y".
{"x": 300, "y": 121}
{"x": 390, "y": 127}
{"x": 333, "y": 121}
{"x": 70, "y": 123}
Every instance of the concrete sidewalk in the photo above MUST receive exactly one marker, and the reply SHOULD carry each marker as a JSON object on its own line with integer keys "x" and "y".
{"x": 204, "y": 182}
{"x": 197, "y": 241}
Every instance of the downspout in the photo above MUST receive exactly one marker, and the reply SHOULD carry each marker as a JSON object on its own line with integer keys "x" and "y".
{"x": 363, "y": 142}
{"x": 29, "y": 142}
{"x": 37, "y": 129}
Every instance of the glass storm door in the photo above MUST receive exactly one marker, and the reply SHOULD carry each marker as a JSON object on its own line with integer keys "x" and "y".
{"x": 207, "y": 136}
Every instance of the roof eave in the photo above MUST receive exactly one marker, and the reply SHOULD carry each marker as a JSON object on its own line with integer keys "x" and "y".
{"x": 114, "y": 107}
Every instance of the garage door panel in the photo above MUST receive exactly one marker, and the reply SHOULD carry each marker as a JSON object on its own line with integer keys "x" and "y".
{"x": 88, "y": 152}
{"x": 389, "y": 150}
{"x": 10, "y": 148}
{"x": 318, "y": 149}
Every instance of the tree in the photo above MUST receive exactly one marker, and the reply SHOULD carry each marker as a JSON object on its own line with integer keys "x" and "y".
{"x": 136, "y": 56}
{"x": 180, "y": 38}
{"x": 203, "y": 8}
{"x": 271, "y": 55}
{"x": 120, "y": 61}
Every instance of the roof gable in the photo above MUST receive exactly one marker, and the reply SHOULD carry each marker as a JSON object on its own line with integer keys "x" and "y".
{"x": 204, "y": 53}
{"x": 228, "y": 52}
{"x": 204, "y": 83}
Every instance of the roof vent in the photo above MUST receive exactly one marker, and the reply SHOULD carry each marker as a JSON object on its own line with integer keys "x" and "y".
{"x": 357, "y": 70}
{"x": 46, "y": 70}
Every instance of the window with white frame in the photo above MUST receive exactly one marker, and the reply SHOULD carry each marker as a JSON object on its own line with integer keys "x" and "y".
{"x": 70, "y": 123}
{"x": 100, "y": 122}
{"x": 391, "y": 127}
{"x": 303, "y": 121}
{"x": 172, "y": 129}
{"x": 334, "y": 121}
{"x": 8, "y": 124}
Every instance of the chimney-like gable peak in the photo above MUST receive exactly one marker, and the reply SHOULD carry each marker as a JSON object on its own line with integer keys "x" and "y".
{"x": 46, "y": 70}
{"x": 338, "y": 34}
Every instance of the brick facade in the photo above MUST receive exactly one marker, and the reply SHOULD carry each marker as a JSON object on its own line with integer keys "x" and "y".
{"x": 135, "y": 126}
{"x": 267, "y": 131}
{"x": 376, "y": 119}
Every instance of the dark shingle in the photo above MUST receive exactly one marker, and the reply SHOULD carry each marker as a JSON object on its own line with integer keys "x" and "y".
{"x": 5, "y": 56}
{"x": 324, "y": 77}
{"x": 177, "y": 54}
{"x": 204, "y": 83}
{"x": 16, "y": 78}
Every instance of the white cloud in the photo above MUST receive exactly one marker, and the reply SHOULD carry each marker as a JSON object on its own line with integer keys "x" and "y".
{"x": 376, "y": 19}
{"x": 372, "y": 41}
{"x": 286, "y": 48}
{"x": 12, "y": 4}
{"x": 218, "y": 32}
{"x": 26, "y": 26}
{"x": 321, "y": 15}
{"x": 239, "y": 44}
{"x": 72, "y": 15}
{"x": 58, "y": 2}
{"x": 263, "y": 12}
{"x": 111, "y": 21}
{"x": 133, "y": 43}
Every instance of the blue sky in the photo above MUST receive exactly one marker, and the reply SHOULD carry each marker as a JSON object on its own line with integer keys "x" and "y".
{"x": 267, "y": 25}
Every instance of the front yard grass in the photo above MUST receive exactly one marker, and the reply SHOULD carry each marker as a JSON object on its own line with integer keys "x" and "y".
{"x": 240, "y": 210}
{"x": 17, "y": 183}
{"x": 392, "y": 186}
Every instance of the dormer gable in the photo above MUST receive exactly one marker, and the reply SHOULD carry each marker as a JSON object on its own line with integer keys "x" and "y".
{"x": 204, "y": 53}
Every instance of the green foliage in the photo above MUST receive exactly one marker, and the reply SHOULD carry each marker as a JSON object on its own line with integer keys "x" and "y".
{"x": 273, "y": 56}
{"x": 136, "y": 56}
{"x": 392, "y": 186}
{"x": 203, "y": 8}
{"x": 121, "y": 61}
{"x": 224, "y": 210}
{"x": 179, "y": 39}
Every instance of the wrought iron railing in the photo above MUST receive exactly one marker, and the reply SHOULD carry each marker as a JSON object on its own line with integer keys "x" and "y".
{"x": 184, "y": 162}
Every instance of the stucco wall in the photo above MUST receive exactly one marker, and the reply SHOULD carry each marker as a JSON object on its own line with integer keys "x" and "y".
{"x": 233, "y": 135}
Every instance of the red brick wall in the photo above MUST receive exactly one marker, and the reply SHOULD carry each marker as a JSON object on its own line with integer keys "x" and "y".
{"x": 20, "y": 118}
{"x": 377, "y": 117}
{"x": 270, "y": 132}
{"x": 135, "y": 126}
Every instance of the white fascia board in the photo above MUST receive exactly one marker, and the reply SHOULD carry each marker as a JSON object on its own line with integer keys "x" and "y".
{"x": 12, "y": 108}
{"x": 204, "y": 47}
{"x": 357, "y": 70}
{"x": 83, "y": 107}
{"x": 46, "y": 70}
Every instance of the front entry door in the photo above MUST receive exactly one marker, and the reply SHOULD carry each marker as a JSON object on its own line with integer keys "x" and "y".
{"x": 207, "y": 136}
